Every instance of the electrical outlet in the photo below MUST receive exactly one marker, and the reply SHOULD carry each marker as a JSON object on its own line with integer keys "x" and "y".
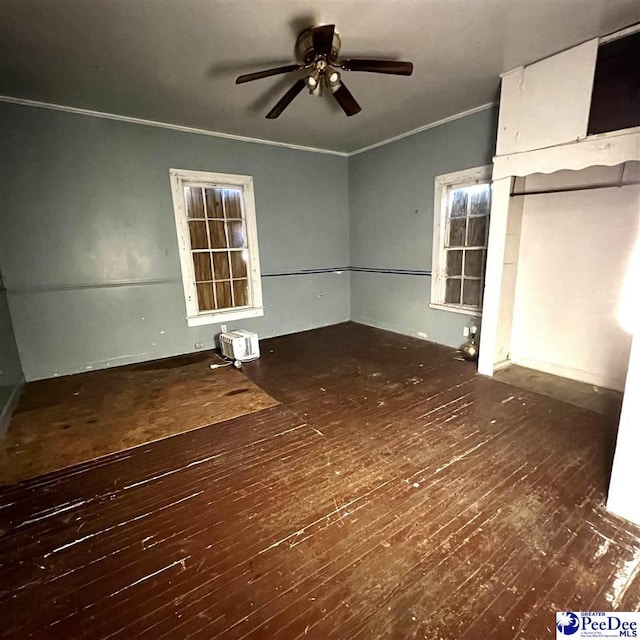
{"x": 199, "y": 345}
{"x": 223, "y": 328}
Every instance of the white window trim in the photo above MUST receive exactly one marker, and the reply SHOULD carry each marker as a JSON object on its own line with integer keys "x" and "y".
{"x": 442, "y": 184}
{"x": 181, "y": 178}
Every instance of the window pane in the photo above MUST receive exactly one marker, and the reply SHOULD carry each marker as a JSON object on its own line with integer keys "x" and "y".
{"x": 241, "y": 292}
{"x": 479, "y": 200}
{"x": 473, "y": 263}
{"x": 477, "y": 236}
{"x": 205, "y": 297}
{"x": 236, "y": 234}
{"x": 198, "y": 234}
{"x": 471, "y": 293}
{"x": 239, "y": 264}
{"x": 454, "y": 263}
{"x": 457, "y": 227}
{"x": 223, "y": 291}
{"x": 232, "y": 205}
{"x": 213, "y": 198}
{"x": 218, "y": 239}
{"x": 221, "y": 266}
{"x": 202, "y": 266}
{"x": 458, "y": 203}
{"x": 195, "y": 206}
{"x": 452, "y": 291}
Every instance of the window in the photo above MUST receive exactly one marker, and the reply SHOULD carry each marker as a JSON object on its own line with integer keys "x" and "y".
{"x": 615, "y": 99}
{"x": 216, "y": 226}
{"x": 461, "y": 229}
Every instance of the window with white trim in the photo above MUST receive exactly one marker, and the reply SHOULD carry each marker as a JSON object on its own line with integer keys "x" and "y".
{"x": 460, "y": 234}
{"x": 216, "y": 226}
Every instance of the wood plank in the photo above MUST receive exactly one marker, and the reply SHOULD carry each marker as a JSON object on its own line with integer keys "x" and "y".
{"x": 393, "y": 494}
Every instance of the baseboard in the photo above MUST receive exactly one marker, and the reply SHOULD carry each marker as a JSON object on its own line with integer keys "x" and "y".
{"x": 503, "y": 364}
{"x": 596, "y": 379}
{"x": 401, "y": 332}
{"x": 381, "y": 325}
{"x": 7, "y": 411}
{"x": 73, "y": 369}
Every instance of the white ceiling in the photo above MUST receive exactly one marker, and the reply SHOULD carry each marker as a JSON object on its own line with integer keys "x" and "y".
{"x": 175, "y": 61}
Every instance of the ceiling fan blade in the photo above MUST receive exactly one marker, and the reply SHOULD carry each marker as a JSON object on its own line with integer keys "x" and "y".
{"x": 267, "y": 73}
{"x": 323, "y": 39}
{"x": 395, "y": 67}
{"x": 346, "y": 100}
{"x": 286, "y": 99}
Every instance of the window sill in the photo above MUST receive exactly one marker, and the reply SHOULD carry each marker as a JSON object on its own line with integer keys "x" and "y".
{"x": 224, "y": 316}
{"x": 476, "y": 313}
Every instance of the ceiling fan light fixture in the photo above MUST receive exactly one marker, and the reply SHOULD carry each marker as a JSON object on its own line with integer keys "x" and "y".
{"x": 314, "y": 84}
{"x": 333, "y": 79}
{"x": 317, "y": 52}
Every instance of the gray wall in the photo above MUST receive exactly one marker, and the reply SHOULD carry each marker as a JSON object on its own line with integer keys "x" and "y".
{"x": 89, "y": 252}
{"x": 11, "y": 378}
{"x": 391, "y": 192}
{"x": 88, "y": 245}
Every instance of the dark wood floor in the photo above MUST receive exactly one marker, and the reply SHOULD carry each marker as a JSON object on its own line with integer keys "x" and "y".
{"x": 581, "y": 394}
{"x": 394, "y": 494}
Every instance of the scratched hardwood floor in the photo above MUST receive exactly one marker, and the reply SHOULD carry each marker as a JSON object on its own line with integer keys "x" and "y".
{"x": 392, "y": 494}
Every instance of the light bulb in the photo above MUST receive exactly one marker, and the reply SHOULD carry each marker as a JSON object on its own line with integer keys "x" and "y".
{"x": 333, "y": 78}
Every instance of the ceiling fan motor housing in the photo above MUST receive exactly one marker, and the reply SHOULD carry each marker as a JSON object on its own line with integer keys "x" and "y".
{"x": 305, "y": 52}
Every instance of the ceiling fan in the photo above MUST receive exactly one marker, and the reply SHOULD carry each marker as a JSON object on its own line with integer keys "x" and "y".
{"x": 317, "y": 50}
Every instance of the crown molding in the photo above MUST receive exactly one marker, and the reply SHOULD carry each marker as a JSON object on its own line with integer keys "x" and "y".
{"x": 229, "y": 136}
{"x": 621, "y": 33}
{"x": 164, "y": 125}
{"x": 425, "y": 127}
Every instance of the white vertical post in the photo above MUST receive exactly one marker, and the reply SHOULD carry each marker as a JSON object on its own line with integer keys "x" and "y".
{"x": 493, "y": 288}
{"x": 625, "y": 476}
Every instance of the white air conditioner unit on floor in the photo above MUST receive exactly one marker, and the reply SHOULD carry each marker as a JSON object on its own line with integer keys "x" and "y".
{"x": 240, "y": 345}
